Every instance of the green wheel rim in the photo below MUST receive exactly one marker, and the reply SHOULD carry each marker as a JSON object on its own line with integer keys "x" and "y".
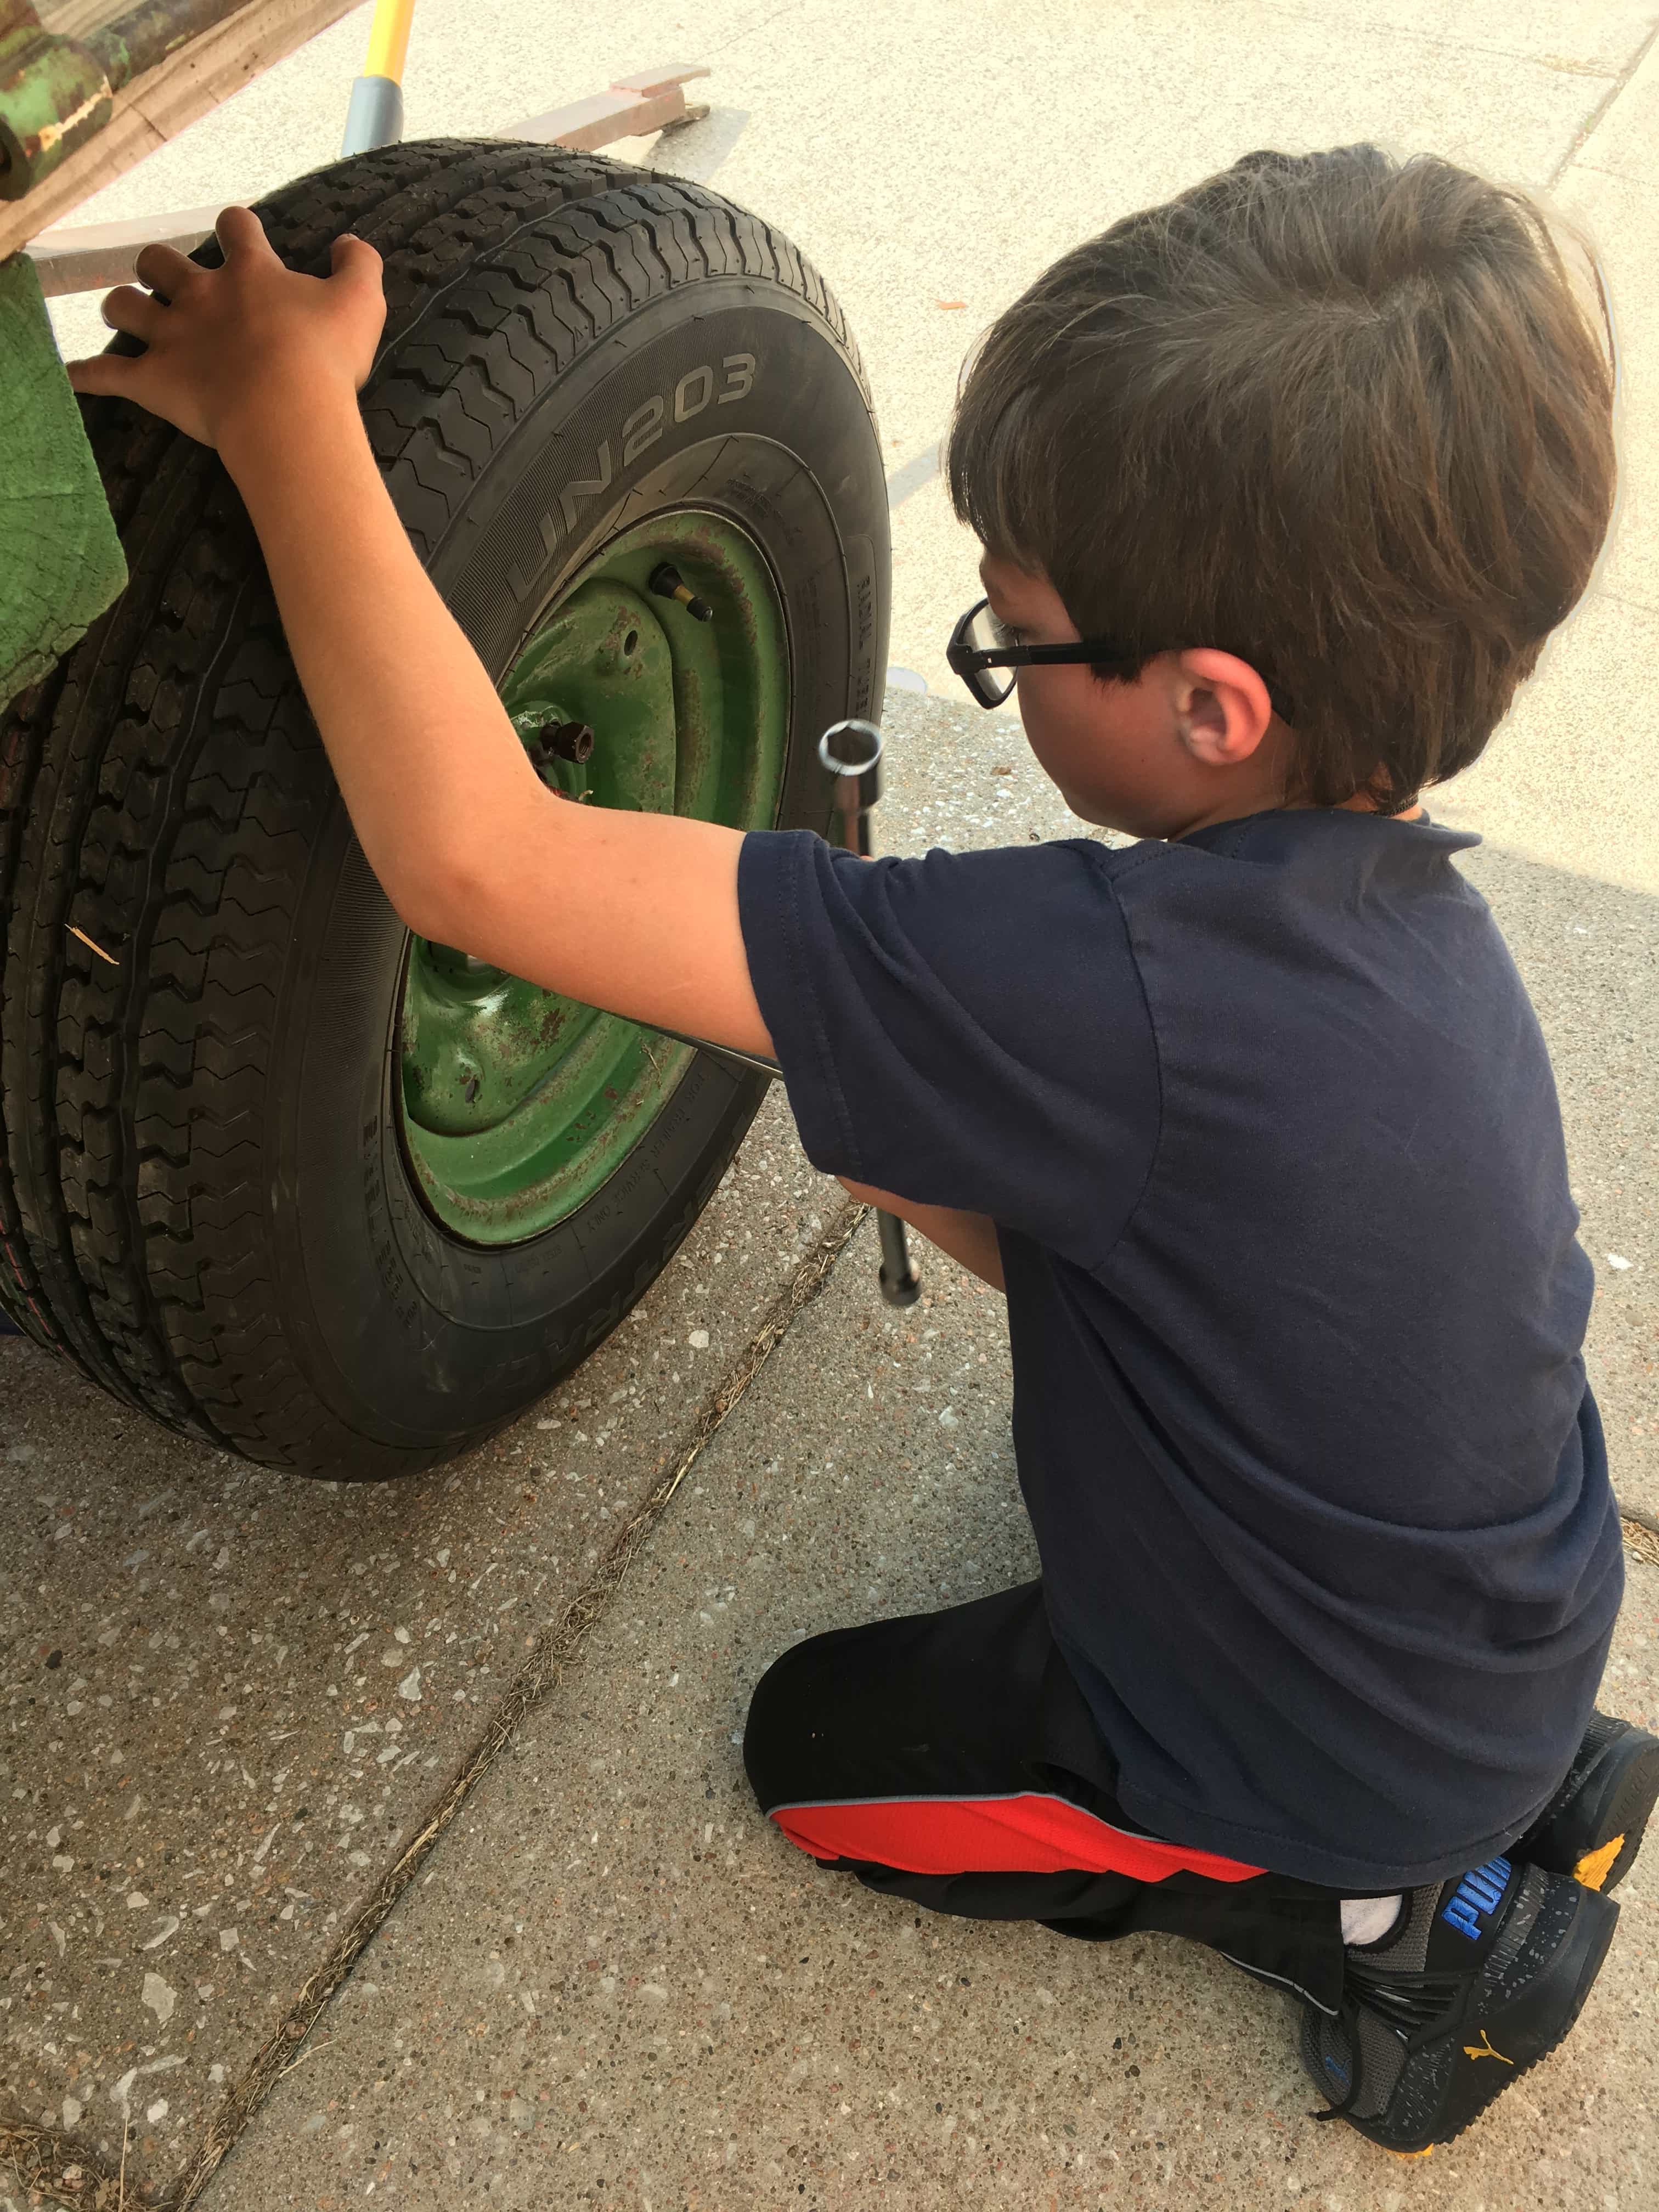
{"x": 516, "y": 1103}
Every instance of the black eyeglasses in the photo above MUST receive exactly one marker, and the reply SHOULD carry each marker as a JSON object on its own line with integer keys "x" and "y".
{"x": 980, "y": 653}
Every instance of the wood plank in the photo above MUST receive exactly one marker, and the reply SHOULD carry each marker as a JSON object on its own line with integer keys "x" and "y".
{"x": 90, "y": 256}
{"x": 157, "y": 105}
{"x": 651, "y": 81}
{"x": 73, "y": 19}
{"x": 650, "y": 100}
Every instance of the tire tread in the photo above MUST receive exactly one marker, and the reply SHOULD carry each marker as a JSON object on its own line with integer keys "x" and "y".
{"x": 162, "y": 790}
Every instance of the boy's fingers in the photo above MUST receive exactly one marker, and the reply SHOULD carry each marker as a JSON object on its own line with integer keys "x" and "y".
{"x": 107, "y": 375}
{"x": 136, "y": 313}
{"x": 241, "y": 232}
{"x": 355, "y": 260}
{"x": 166, "y": 270}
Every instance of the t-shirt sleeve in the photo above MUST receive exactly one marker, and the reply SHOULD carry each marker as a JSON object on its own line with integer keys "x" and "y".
{"x": 964, "y": 1029}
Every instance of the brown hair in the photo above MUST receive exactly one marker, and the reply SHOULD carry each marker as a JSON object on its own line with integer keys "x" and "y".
{"x": 1346, "y": 418}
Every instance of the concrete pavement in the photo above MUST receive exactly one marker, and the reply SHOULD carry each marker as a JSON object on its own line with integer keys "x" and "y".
{"x": 228, "y": 1700}
{"x": 174, "y": 1625}
{"x": 617, "y": 1986}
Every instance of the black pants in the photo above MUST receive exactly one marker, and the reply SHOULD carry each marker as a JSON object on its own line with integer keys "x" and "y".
{"x": 950, "y": 1758}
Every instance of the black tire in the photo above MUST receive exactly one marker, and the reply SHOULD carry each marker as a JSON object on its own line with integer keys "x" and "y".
{"x": 204, "y": 1202}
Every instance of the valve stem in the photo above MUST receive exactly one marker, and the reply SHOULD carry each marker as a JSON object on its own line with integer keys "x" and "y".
{"x": 667, "y": 583}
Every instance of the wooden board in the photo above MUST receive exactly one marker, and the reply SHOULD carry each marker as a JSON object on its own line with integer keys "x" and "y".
{"x": 87, "y": 257}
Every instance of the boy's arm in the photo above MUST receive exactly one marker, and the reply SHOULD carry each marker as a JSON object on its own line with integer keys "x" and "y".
{"x": 971, "y": 1239}
{"x": 636, "y": 913}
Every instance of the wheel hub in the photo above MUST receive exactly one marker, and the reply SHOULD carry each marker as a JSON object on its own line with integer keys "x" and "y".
{"x": 516, "y": 1103}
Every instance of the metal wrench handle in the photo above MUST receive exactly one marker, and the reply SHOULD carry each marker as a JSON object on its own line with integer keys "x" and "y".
{"x": 851, "y": 752}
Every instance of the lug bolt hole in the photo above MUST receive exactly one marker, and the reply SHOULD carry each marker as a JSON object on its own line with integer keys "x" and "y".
{"x": 630, "y": 641}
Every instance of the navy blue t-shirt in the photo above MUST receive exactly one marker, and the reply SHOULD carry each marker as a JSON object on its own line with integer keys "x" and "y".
{"x": 1267, "y": 1128}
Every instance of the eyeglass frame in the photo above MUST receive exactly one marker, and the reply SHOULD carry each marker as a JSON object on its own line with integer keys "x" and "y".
{"x": 969, "y": 661}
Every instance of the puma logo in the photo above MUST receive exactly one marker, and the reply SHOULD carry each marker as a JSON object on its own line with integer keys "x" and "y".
{"x": 1484, "y": 2050}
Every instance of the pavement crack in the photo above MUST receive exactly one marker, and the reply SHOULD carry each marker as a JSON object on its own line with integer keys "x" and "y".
{"x": 535, "y": 1681}
{"x": 1641, "y": 1532}
{"x": 49, "y": 2164}
{"x": 1587, "y": 129}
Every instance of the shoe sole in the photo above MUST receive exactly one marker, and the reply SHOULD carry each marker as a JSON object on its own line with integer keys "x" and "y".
{"x": 1532, "y": 2024}
{"x": 1597, "y": 1843}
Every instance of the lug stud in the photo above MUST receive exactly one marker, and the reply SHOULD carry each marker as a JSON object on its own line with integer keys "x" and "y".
{"x": 567, "y": 741}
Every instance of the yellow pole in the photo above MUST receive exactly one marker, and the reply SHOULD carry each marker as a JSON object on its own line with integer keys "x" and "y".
{"x": 376, "y": 117}
{"x": 388, "y": 39}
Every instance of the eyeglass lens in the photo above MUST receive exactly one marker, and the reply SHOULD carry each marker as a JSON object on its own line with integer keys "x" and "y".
{"x": 984, "y": 633}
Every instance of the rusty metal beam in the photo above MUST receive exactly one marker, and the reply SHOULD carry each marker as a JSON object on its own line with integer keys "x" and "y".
{"x": 158, "y": 103}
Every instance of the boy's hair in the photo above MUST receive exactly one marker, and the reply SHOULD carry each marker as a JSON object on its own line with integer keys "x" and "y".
{"x": 1348, "y": 418}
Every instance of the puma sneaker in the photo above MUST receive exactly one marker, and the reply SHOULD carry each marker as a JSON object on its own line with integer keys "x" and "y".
{"x": 1592, "y": 1827}
{"x": 1478, "y": 1978}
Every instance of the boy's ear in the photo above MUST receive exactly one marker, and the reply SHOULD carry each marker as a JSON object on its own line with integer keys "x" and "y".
{"x": 1221, "y": 704}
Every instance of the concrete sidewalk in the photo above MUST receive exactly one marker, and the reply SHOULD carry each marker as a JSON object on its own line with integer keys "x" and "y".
{"x": 608, "y": 1983}
{"x": 617, "y": 1986}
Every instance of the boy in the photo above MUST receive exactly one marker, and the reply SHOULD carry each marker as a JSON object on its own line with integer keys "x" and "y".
{"x": 1281, "y": 487}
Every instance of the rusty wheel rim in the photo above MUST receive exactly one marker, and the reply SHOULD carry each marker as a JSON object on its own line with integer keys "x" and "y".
{"x": 517, "y": 1104}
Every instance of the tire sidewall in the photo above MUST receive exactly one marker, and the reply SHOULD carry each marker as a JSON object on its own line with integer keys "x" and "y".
{"x": 734, "y": 398}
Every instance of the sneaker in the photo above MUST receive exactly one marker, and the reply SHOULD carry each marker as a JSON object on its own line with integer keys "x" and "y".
{"x": 1482, "y": 1976}
{"x": 1592, "y": 1827}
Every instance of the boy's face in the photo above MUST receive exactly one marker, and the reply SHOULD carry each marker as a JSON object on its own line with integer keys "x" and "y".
{"x": 1193, "y": 740}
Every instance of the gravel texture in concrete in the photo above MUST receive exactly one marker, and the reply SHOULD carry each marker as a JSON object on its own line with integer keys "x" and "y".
{"x": 227, "y": 1695}
{"x": 616, "y": 1985}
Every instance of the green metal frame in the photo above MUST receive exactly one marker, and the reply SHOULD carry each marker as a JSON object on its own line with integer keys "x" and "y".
{"x": 518, "y": 1103}
{"x": 57, "y": 92}
{"x": 61, "y": 562}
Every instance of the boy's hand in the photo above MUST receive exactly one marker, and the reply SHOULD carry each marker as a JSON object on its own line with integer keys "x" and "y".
{"x": 223, "y": 346}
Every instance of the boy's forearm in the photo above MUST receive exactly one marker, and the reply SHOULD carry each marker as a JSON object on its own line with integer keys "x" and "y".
{"x": 425, "y": 756}
{"x": 636, "y": 913}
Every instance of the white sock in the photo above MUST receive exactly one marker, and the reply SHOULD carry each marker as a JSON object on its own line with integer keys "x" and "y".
{"x": 1368, "y": 1919}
